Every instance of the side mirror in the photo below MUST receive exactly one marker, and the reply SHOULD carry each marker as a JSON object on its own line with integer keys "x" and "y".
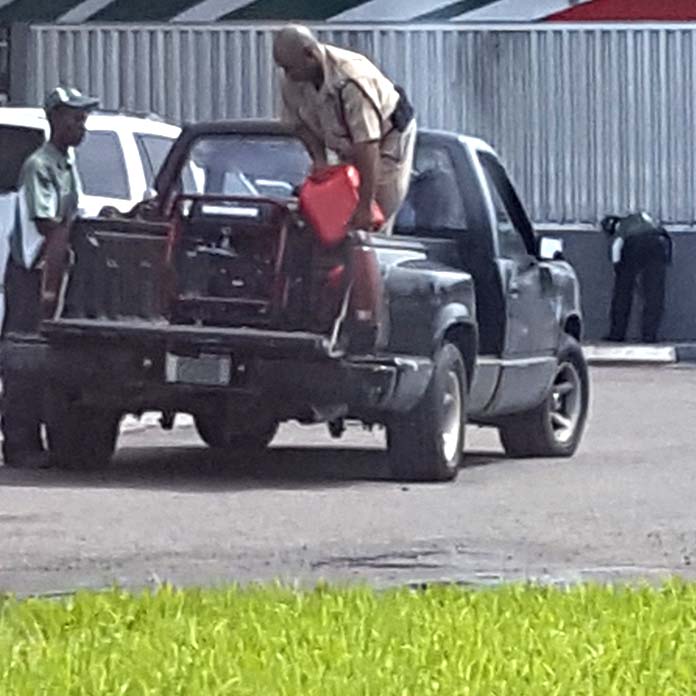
{"x": 551, "y": 249}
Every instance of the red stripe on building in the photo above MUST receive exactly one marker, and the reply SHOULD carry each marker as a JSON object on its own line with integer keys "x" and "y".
{"x": 628, "y": 10}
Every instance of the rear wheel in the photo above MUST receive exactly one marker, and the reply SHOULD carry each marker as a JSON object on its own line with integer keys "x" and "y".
{"x": 555, "y": 427}
{"x": 79, "y": 437}
{"x": 427, "y": 443}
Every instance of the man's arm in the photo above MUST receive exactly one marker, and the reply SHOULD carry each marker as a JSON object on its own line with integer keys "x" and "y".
{"x": 364, "y": 127}
{"x": 366, "y": 160}
{"x": 57, "y": 236}
{"x": 315, "y": 147}
{"x": 43, "y": 208}
{"x": 617, "y": 250}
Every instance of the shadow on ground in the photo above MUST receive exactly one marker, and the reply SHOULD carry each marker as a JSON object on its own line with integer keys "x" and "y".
{"x": 199, "y": 469}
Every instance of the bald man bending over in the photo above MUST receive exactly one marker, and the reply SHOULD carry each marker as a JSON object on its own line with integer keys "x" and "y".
{"x": 338, "y": 100}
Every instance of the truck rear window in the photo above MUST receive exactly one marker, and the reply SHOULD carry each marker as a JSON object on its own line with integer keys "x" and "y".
{"x": 16, "y": 144}
{"x": 238, "y": 164}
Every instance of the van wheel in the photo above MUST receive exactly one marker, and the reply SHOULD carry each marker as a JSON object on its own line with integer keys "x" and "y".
{"x": 555, "y": 427}
{"x": 216, "y": 431}
{"x": 427, "y": 444}
{"x": 79, "y": 437}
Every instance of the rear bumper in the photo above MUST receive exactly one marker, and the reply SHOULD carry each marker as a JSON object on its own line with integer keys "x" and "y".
{"x": 292, "y": 372}
{"x": 244, "y": 341}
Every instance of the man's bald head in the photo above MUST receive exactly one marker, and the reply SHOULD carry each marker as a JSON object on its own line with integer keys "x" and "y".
{"x": 298, "y": 52}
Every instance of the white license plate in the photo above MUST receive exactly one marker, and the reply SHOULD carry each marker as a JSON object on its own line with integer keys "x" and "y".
{"x": 207, "y": 370}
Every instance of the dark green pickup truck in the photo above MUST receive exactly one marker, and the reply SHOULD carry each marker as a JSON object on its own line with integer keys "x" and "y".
{"x": 215, "y": 298}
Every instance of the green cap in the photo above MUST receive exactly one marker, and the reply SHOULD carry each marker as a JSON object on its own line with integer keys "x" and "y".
{"x": 70, "y": 97}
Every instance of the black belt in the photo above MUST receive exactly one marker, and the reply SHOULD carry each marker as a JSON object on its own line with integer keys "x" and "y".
{"x": 404, "y": 113}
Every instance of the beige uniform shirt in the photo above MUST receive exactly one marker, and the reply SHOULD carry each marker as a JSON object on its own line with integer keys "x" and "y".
{"x": 355, "y": 105}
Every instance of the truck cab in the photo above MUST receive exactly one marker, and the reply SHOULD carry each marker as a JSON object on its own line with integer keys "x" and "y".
{"x": 465, "y": 210}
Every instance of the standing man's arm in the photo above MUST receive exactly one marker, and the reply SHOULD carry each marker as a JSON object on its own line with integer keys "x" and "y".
{"x": 57, "y": 241}
{"x": 43, "y": 208}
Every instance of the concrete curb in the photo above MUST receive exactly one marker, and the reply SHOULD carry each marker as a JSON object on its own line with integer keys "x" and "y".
{"x": 686, "y": 353}
{"x": 611, "y": 354}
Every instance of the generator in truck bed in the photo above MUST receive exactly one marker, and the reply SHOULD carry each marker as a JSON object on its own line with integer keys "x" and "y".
{"x": 218, "y": 299}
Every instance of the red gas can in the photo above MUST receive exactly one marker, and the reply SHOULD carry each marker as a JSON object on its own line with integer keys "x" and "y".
{"x": 328, "y": 200}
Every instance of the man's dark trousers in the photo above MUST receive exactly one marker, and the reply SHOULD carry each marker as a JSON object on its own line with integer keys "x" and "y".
{"x": 22, "y": 411}
{"x": 643, "y": 257}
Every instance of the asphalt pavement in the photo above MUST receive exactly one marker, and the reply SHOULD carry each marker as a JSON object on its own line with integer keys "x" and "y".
{"x": 317, "y": 508}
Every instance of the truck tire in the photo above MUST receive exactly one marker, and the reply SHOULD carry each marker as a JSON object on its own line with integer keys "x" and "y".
{"x": 555, "y": 427}
{"x": 79, "y": 437}
{"x": 427, "y": 443}
{"x": 217, "y": 433}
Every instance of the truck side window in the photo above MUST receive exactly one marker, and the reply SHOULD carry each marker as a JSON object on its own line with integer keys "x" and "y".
{"x": 513, "y": 229}
{"x": 434, "y": 203}
{"x": 153, "y": 151}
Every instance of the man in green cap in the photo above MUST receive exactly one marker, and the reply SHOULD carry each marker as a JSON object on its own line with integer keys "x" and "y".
{"x": 49, "y": 190}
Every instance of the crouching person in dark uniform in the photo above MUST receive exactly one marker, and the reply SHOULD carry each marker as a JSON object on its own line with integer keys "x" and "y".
{"x": 640, "y": 250}
{"x": 48, "y": 204}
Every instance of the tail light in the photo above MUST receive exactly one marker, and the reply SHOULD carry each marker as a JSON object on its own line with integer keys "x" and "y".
{"x": 170, "y": 282}
{"x": 173, "y": 237}
{"x": 366, "y": 304}
{"x": 335, "y": 277}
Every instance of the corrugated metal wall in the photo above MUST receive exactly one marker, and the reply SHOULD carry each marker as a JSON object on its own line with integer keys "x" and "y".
{"x": 589, "y": 119}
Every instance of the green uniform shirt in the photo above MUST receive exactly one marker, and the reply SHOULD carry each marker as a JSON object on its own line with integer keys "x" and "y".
{"x": 636, "y": 224}
{"x": 50, "y": 185}
{"x": 631, "y": 226}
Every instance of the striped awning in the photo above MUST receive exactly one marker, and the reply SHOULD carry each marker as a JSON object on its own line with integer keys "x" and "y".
{"x": 78, "y": 11}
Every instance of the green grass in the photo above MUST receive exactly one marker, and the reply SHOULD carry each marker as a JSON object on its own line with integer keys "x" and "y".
{"x": 514, "y": 641}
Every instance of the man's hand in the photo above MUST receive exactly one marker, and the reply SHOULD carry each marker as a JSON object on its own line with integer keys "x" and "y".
{"x": 49, "y": 305}
{"x": 362, "y": 218}
{"x": 318, "y": 166}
